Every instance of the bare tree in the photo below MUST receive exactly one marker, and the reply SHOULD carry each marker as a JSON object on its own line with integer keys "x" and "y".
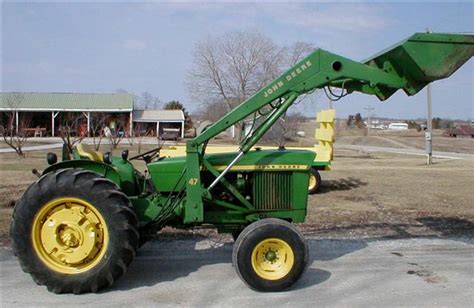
{"x": 284, "y": 130}
{"x": 213, "y": 111}
{"x": 131, "y": 138}
{"x": 17, "y": 140}
{"x": 14, "y": 136}
{"x": 296, "y": 52}
{"x": 147, "y": 101}
{"x": 288, "y": 125}
{"x": 70, "y": 130}
{"x": 97, "y": 124}
{"x": 231, "y": 68}
{"x": 134, "y": 135}
{"x": 117, "y": 133}
{"x": 144, "y": 101}
{"x": 138, "y": 134}
{"x": 114, "y": 139}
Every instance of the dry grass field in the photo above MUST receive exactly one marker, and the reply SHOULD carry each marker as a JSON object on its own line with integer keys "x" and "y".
{"x": 364, "y": 194}
{"x": 409, "y": 139}
{"x": 393, "y": 195}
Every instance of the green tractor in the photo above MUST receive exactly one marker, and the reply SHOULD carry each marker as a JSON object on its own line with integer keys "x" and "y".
{"x": 78, "y": 227}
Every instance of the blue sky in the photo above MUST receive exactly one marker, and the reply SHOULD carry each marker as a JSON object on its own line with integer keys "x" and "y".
{"x": 147, "y": 46}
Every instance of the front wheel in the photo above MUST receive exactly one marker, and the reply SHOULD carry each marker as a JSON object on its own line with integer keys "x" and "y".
{"x": 314, "y": 181}
{"x": 270, "y": 255}
{"x": 74, "y": 231}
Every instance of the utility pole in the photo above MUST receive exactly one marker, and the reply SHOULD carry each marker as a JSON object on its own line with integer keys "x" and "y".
{"x": 429, "y": 128}
{"x": 429, "y": 125}
{"x": 369, "y": 122}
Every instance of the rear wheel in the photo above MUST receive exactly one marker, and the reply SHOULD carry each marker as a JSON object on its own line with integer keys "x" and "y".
{"x": 270, "y": 255}
{"x": 314, "y": 181}
{"x": 235, "y": 234}
{"x": 142, "y": 241}
{"x": 74, "y": 231}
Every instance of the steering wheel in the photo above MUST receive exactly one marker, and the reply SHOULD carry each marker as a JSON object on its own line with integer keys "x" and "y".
{"x": 148, "y": 156}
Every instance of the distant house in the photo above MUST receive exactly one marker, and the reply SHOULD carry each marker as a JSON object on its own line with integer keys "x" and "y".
{"x": 169, "y": 124}
{"x": 462, "y": 131}
{"x": 398, "y": 126}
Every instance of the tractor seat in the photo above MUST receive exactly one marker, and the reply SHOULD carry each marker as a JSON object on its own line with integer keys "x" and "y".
{"x": 85, "y": 152}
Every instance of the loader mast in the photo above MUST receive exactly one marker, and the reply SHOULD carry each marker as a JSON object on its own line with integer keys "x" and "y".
{"x": 409, "y": 65}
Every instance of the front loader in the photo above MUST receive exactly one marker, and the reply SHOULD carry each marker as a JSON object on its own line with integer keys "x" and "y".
{"x": 78, "y": 227}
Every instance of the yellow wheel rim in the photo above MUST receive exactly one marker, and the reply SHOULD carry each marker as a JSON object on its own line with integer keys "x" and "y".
{"x": 69, "y": 235}
{"x": 312, "y": 182}
{"x": 272, "y": 259}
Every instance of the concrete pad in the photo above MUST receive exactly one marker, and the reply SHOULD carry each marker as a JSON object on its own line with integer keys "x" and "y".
{"x": 350, "y": 272}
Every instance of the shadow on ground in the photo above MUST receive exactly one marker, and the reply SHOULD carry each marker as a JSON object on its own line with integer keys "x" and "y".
{"x": 423, "y": 227}
{"x": 449, "y": 226}
{"x": 167, "y": 258}
{"x": 157, "y": 261}
{"x": 340, "y": 184}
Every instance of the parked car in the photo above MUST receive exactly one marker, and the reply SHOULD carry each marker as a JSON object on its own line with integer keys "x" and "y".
{"x": 170, "y": 134}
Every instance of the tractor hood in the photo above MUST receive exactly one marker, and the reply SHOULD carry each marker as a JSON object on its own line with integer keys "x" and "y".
{"x": 166, "y": 172}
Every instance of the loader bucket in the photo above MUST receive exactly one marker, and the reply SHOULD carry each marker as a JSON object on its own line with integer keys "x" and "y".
{"x": 423, "y": 58}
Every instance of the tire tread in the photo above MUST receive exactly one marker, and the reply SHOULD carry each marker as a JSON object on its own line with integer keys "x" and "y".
{"x": 120, "y": 218}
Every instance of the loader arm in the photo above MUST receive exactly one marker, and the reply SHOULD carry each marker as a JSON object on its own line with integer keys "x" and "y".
{"x": 409, "y": 65}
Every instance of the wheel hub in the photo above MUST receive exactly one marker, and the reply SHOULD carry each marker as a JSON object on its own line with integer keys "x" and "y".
{"x": 272, "y": 259}
{"x": 270, "y": 255}
{"x": 69, "y": 235}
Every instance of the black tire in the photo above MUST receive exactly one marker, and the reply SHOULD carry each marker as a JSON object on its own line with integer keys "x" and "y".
{"x": 145, "y": 237}
{"x": 314, "y": 174}
{"x": 235, "y": 234}
{"x": 106, "y": 198}
{"x": 252, "y": 236}
{"x": 142, "y": 241}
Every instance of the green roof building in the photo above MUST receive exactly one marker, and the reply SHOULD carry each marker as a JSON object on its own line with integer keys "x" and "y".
{"x": 42, "y": 114}
{"x": 74, "y": 102}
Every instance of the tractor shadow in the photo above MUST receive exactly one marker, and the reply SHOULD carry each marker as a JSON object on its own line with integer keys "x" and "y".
{"x": 342, "y": 184}
{"x": 160, "y": 262}
{"x": 168, "y": 259}
{"x": 165, "y": 261}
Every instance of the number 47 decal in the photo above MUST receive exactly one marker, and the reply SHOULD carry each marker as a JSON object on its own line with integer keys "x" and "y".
{"x": 193, "y": 181}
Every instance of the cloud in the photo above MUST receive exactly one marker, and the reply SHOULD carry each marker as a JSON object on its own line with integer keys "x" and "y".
{"x": 315, "y": 16}
{"x": 320, "y": 17}
{"x": 134, "y": 44}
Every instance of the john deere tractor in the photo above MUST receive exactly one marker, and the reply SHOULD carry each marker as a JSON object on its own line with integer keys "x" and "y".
{"x": 78, "y": 227}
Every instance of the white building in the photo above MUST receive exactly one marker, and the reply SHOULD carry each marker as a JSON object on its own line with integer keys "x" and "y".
{"x": 161, "y": 122}
{"x": 398, "y": 126}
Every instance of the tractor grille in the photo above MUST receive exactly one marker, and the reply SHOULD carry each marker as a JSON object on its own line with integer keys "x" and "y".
{"x": 272, "y": 190}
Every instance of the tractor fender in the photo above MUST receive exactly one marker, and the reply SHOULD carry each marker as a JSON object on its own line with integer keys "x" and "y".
{"x": 107, "y": 171}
